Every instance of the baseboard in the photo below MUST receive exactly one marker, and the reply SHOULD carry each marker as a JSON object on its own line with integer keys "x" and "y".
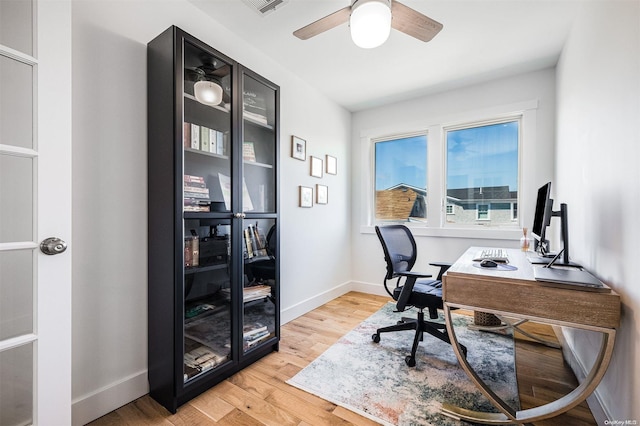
{"x": 301, "y": 308}
{"x": 594, "y": 400}
{"x": 369, "y": 288}
{"x": 96, "y": 404}
{"x": 109, "y": 398}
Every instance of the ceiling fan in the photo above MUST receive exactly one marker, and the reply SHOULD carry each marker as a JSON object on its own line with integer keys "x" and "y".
{"x": 371, "y": 22}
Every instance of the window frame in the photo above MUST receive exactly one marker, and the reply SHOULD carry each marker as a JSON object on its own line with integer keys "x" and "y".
{"x": 372, "y": 188}
{"x": 529, "y": 176}
{"x": 482, "y": 222}
{"x": 487, "y": 212}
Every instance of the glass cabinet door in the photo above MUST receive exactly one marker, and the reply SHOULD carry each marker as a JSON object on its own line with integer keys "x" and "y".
{"x": 258, "y": 146}
{"x": 207, "y": 205}
{"x": 260, "y": 238}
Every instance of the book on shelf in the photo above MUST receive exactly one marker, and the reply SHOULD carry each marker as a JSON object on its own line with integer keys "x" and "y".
{"x": 256, "y": 292}
{"x": 195, "y": 188}
{"x": 200, "y": 360}
{"x": 254, "y": 329}
{"x": 252, "y": 342}
{"x": 258, "y": 243}
{"x": 186, "y": 134}
{"x": 204, "y": 138}
{"x": 195, "y": 136}
{"x": 248, "y": 152}
{"x": 248, "y": 244}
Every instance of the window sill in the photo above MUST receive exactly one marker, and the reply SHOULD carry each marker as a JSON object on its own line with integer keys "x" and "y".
{"x": 450, "y": 232}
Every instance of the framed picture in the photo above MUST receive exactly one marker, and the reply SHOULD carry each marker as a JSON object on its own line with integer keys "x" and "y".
{"x": 306, "y": 196}
{"x": 298, "y": 148}
{"x": 332, "y": 165}
{"x": 316, "y": 167}
{"x": 322, "y": 194}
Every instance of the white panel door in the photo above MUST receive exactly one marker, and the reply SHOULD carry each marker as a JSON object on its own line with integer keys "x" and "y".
{"x": 35, "y": 203}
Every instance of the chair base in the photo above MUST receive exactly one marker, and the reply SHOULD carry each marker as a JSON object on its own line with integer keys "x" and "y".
{"x": 420, "y": 326}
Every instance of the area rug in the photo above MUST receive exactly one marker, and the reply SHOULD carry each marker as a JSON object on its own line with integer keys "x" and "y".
{"x": 373, "y": 380}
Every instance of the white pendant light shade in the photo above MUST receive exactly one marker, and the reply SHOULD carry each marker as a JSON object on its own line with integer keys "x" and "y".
{"x": 370, "y": 22}
{"x": 208, "y": 92}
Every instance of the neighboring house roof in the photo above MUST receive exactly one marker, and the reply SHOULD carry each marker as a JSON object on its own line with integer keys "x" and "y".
{"x": 400, "y": 202}
{"x": 484, "y": 193}
{"x": 404, "y": 186}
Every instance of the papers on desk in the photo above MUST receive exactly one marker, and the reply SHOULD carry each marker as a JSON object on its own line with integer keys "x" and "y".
{"x": 573, "y": 279}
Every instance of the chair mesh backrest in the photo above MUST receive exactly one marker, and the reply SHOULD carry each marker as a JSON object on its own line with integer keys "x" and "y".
{"x": 399, "y": 248}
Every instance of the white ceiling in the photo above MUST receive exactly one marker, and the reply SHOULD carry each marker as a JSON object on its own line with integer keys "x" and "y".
{"x": 481, "y": 40}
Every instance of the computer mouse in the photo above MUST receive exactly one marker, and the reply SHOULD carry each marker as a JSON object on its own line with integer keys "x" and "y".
{"x": 488, "y": 263}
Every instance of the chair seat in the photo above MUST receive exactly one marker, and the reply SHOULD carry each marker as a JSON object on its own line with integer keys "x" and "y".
{"x": 425, "y": 294}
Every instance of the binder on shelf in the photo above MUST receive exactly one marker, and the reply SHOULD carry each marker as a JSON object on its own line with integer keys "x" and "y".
{"x": 204, "y": 138}
{"x": 213, "y": 141}
{"x": 195, "y": 136}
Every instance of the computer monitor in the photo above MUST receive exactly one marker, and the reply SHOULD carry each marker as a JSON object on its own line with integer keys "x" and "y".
{"x": 542, "y": 219}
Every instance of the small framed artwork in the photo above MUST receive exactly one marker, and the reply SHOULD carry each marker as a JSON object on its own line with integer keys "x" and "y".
{"x": 298, "y": 148}
{"x": 332, "y": 165}
{"x": 322, "y": 194}
{"x": 306, "y": 196}
{"x": 316, "y": 167}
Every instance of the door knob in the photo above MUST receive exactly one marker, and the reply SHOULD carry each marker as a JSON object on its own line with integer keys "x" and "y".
{"x": 52, "y": 245}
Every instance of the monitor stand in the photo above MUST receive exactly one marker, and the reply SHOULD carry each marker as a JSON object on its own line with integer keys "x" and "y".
{"x": 536, "y": 259}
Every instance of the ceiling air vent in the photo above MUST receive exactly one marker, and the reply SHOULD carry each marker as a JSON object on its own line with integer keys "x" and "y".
{"x": 264, "y": 7}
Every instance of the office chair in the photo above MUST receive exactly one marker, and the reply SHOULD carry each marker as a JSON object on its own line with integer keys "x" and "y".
{"x": 400, "y": 253}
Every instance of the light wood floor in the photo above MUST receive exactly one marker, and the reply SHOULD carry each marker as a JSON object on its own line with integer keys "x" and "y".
{"x": 258, "y": 395}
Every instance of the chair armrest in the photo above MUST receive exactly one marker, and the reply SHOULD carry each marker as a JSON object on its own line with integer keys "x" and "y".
{"x": 443, "y": 268}
{"x": 414, "y": 274}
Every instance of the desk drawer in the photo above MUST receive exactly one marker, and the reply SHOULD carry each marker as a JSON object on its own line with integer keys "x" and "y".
{"x": 530, "y": 300}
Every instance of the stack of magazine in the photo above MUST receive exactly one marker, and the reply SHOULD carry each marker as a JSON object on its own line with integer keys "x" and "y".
{"x": 254, "y": 334}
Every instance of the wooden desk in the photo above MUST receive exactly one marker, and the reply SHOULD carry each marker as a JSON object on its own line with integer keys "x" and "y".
{"x": 517, "y": 294}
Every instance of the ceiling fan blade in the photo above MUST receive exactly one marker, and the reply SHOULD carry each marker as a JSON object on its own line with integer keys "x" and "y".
{"x": 413, "y": 23}
{"x": 324, "y": 24}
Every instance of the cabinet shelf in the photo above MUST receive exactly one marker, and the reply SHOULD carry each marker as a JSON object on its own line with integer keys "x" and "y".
{"x": 196, "y": 269}
{"x": 205, "y": 153}
{"x": 257, "y": 164}
{"x": 217, "y": 107}
{"x": 257, "y": 123}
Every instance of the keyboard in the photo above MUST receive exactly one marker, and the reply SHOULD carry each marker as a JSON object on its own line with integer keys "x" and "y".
{"x": 495, "y": 254}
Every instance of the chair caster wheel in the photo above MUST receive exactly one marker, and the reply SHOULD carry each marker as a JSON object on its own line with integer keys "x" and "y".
{"x": 411, "y": 361}
{"x": 376, "y": 338}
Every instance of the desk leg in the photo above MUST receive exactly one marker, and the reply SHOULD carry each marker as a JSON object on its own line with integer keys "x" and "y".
{"x": 510, "y": 416}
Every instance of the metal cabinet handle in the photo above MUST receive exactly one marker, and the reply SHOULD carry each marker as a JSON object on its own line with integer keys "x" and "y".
{"x": 52, "y": 245}
{"x": 239, "y": 215}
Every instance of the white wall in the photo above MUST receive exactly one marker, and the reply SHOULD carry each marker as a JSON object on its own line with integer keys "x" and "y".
{"x": 470, "y": 103}
{"x": 109, "y": 191}
{"x": 598, "y": 152}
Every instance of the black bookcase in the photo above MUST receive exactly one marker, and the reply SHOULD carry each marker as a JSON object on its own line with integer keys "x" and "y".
{"x": 213, "y": 265}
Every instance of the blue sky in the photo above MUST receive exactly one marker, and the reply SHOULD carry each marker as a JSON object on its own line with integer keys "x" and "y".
{"x": 483, "y": 156}
{"x": 480, "y": 156}
{"x": 401, "y": 161}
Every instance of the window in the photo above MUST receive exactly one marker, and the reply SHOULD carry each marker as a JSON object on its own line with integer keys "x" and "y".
{"x": 400, "y": 174}
{"x": 482, "y": 172}
{"x": 483, "y": 211}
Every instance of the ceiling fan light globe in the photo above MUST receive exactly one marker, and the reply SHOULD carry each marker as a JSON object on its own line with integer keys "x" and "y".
{"x": 208, "y": 92}
{"x": 370, "y": 23}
